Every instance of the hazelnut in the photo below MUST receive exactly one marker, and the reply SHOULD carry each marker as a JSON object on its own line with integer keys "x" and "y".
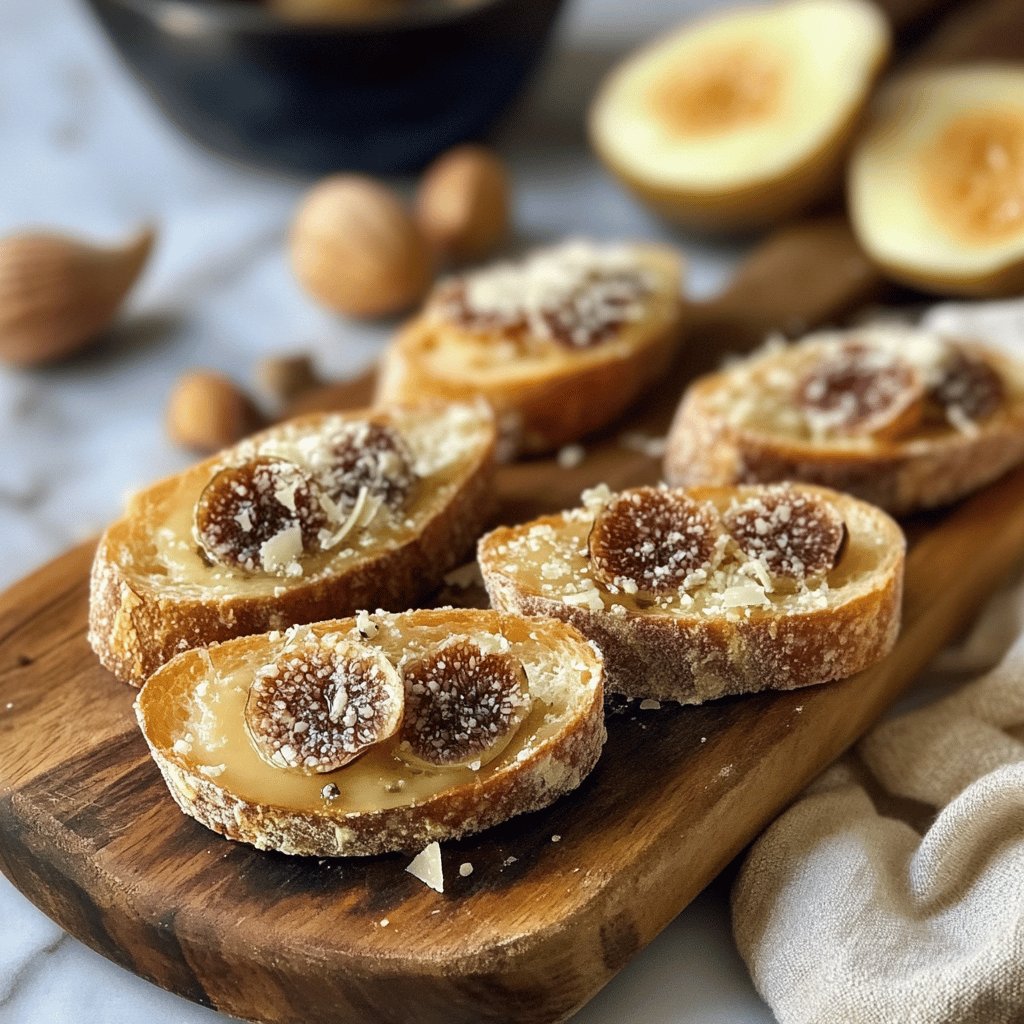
{"x": 284, "y": 378}
{"x": 463, "y": 203}
{"x": 206, "y": 411}
{"x": 356, "y": 249}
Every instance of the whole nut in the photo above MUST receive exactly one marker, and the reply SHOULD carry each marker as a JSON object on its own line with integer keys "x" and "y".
{"x": 356, "y": 249}
{"x": 207, "y": 411}
{"x": 284, "y": 378}
{"x": 463, "y": 203}
{"x": 57, "y": 294}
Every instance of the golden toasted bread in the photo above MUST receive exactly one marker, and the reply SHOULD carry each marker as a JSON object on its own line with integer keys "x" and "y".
{"x": 377, "y": 733}
{"x": 559, "y": 344}
{"x": 701, "y": 593}
{"x": 899, "y": 417}
{"x": 316, "y": 517}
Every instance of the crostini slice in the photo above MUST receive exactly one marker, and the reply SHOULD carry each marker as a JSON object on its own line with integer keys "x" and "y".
{"x": 898, "y": 416}
{"x": 377, "y": 733}
{"x": 697, "y": 594}
{"x": 560, "y": 343}
{"x": 315, "y": 517}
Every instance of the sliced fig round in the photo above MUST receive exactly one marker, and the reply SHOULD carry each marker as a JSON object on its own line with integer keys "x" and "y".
{"x": 652, "y": 541}
{"x": 316, "y": 708}
{"x": 861, "y": 389}
{"x": 263, "y": 514}
{"x": 967, "y": 388}
{"x": 795, "y": 534}
{"x": 462, "y": 705}
{"x": 371, "y": 456}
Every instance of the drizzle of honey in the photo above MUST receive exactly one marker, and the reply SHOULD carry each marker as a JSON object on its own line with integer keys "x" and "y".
{"x": 972, "y": 176}
{"x": 205, "y": 705}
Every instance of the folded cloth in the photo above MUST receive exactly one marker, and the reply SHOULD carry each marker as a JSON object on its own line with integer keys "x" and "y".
{"x": 892, "y": 892}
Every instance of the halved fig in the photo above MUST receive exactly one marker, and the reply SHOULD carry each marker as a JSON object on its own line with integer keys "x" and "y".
{"x": 936, "y": 183}
{"x": 370, "y": 455}
{"x": 743, "y": 118}
{"x": 967, "y": 389}
{"x": 651, "y": 541}
{"x": 862, "y": 389}
{"x": 462, "y": 705}
{"x": 797, "y": 535}
{"x": 315, "y": 708}
{"x": 263, "y": 514}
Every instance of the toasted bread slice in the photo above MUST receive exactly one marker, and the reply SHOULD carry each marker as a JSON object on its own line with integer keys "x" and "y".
{"x": 559, "y": 344}
{"x": 318, "y": 516}
{"x": 897, "y": 416}
{"x": 195, "y": 713}
{"x": 698, "y": 594}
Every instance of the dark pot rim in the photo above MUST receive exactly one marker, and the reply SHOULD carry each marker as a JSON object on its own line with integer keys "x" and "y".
{"x": 232, "y": 15}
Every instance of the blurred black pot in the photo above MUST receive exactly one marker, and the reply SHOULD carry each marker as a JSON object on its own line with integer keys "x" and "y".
{"x": 378, "y": 96}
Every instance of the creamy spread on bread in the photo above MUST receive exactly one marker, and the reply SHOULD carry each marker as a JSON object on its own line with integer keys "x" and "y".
{"x": 882, "y": 383}
{"x": 310, "y": 498}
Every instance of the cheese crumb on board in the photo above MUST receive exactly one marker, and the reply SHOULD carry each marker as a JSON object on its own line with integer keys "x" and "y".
{"x": 465, "y": 870}
{"x": 426, "y": 866}
{"x": 571, "y": 456}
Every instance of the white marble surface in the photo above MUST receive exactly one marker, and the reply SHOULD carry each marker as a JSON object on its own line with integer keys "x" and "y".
{"x": 82, "y": 148}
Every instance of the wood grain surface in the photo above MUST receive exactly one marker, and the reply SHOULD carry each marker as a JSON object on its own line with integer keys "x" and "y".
{"x": 88, "y": 832}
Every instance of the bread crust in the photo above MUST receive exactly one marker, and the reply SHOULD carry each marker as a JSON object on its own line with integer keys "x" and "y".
{"x": 692, "y": 659}
{"x": 135, "y": 629}
{"x": 703, "y": 447}
{"x": 555, "y": 767}
{"x": 555, "y": 405}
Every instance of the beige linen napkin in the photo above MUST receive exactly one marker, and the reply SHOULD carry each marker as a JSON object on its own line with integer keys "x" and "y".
{"x": 892, "y": 892}
{"x": 844, "y": 912}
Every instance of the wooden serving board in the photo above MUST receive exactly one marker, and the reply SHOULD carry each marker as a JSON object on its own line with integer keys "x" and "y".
{"x": 89, "y": 833}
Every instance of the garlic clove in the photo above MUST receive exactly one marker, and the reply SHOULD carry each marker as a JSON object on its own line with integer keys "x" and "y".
{"x": 58, "y": 293}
